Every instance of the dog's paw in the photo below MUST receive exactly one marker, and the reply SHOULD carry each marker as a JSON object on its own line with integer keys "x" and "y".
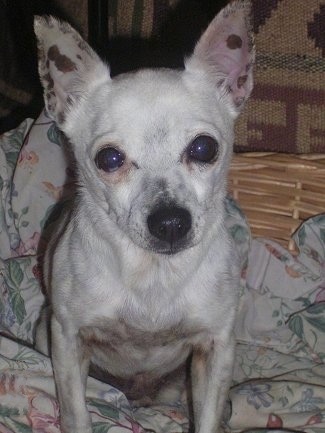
{"x": 76, "y": 427}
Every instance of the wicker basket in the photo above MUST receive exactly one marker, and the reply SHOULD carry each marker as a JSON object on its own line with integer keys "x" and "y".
{"x": 278, "y": 191}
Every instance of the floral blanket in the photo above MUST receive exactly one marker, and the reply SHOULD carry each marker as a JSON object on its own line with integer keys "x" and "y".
{"x": 279, "y": 376}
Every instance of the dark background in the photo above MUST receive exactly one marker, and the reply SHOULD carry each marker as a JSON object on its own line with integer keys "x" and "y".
{"x": 173, "y": 38}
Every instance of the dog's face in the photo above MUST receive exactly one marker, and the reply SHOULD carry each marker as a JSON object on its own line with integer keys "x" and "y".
{"x": 152, "y": 147}
{"x": 156, "y": 156}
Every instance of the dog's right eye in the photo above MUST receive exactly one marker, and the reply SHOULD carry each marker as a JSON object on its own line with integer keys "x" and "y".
{"x": 109, "y": 159}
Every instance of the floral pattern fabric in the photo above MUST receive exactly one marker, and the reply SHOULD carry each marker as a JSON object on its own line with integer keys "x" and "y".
{"x": 279, "y": 375}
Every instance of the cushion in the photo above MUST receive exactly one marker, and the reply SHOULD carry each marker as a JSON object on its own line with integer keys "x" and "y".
{"x": 286, "y": 112}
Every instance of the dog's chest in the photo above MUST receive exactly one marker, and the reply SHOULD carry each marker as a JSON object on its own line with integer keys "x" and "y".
{"x": 124, "y": 350}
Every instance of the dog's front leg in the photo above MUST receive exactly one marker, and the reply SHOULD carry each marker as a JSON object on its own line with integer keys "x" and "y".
{"x": 211, "y": 376}
{"x": 70, "y": 365}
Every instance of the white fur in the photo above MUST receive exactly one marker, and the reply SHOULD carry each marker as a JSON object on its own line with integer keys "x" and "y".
{"x": 117, "y": 301}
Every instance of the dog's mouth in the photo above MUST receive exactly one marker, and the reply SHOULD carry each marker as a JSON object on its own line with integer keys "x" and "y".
{"x": 169, "y": 250}
{"x": 169, "y": 227}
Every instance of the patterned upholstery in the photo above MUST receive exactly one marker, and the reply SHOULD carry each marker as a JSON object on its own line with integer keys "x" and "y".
{"x": 287, "y": 110}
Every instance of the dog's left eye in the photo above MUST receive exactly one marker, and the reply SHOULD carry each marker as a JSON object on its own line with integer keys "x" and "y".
{"x": 203, "y": 149}
{"x": 109, "y": 159}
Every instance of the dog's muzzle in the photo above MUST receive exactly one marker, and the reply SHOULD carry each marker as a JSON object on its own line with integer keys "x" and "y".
{"x": 170, "y": 224}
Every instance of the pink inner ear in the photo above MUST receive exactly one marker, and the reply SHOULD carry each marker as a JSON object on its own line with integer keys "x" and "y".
{"x": 227, "y": 48}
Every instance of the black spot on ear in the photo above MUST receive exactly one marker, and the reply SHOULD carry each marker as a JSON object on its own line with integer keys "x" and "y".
{"x": 234, "y": 42}
{"x": 62, "y": 62}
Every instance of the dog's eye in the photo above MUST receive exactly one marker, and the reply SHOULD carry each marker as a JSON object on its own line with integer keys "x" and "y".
{"x": 109, "y": 159}
{"x": 203, "y": 149}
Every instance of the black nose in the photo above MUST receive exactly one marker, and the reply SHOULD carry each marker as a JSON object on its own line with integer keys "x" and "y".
{"x": 169, "y": 223}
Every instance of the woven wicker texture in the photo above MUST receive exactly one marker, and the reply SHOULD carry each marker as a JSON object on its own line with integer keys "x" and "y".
{"x": 287, "y": 110}
{"x": 278, "y": 191}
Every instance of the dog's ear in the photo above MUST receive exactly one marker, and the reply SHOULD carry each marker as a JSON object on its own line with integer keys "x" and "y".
{"x": 68, "y": 67}
{"x": 225, "y": 54}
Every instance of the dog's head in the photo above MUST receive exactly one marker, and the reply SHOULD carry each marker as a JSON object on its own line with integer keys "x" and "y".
{"x": 152, "y": 147}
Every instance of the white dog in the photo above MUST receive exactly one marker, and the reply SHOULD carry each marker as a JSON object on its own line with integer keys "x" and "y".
{"x": 141, "y": 273}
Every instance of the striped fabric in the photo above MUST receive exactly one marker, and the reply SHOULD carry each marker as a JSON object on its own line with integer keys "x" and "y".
{"x": 138, "y": 18}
